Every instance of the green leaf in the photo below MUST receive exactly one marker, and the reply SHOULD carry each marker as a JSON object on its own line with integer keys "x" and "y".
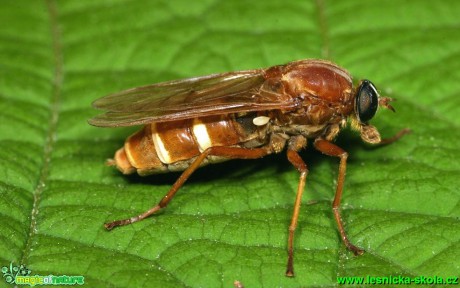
{"x": 401, "y": 202}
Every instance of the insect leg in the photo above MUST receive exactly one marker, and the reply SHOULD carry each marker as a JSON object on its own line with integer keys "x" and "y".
{"x": 331, "y": 149}
{"x": 395, "y": 137}
{"x": 230, "y": 152}
{"x": 300, "y": 165}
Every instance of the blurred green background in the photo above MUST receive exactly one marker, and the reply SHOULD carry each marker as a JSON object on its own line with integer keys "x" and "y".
{"x": 230, "y": 221}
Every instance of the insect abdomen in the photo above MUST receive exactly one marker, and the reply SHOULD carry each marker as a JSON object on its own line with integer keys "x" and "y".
{"x": 171, "y": 146}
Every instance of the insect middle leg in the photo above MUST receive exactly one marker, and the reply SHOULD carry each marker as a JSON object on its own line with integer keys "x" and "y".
{"x": 331, "y": 149}
{"x": 300, "y": 165}
{"x": 229, "y": 152}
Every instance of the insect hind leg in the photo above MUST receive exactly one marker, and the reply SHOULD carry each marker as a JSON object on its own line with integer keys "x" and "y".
{"x": 228, "y": 152}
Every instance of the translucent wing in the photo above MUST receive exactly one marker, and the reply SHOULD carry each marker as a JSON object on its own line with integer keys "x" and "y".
{"x": 215, "y": 94}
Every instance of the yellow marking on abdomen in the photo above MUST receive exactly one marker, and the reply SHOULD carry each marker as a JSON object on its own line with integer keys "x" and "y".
{"x": 160, "y": 148}
{"x": 201, "y": 135}
{"x": 128, "y": 152}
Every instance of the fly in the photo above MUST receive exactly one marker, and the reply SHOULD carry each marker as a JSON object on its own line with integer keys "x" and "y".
{"x": 243, "y": 115}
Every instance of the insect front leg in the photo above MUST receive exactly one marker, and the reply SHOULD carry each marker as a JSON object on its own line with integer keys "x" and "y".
{"x": 229, "y": 152}
{"x": 331, "y": 149}
{"x": 395, "y": 137}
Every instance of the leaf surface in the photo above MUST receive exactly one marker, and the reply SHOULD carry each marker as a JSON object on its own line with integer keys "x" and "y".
{"x": 230, "y": 221}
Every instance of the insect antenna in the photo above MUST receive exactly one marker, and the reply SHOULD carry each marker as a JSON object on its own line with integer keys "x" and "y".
{"x": 385, "y": 102}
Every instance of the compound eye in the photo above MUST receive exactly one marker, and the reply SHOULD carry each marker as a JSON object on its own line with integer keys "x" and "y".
{"x": 367, "y": 101}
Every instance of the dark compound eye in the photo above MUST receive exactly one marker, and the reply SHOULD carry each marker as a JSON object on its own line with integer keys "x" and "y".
{"x": 367, "y": 101}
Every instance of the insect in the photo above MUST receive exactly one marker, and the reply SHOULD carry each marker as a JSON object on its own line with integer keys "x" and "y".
{"x": 246, "y": 115}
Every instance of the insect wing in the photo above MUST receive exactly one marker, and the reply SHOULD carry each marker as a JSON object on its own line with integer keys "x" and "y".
{"x": 215, "y": 94}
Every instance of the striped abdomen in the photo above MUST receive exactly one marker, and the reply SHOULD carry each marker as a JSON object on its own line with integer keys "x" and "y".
{"x": 172, "y": 146}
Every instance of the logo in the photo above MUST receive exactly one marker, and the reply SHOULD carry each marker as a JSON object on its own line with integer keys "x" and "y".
{"x": 21, "y": 276}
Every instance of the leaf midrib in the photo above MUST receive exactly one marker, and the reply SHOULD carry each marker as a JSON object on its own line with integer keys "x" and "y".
{"x": 52, "y": 125}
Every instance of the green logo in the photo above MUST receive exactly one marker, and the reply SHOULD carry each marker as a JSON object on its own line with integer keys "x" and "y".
{"x": 21, "y": 276}
{"x": 10, "y": 273}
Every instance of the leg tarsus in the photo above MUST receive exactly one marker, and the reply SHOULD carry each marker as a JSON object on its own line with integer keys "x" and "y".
{"x": 111, "y": 225}
{"x": 290, "y": 264}
{"x": 356, "y": 250}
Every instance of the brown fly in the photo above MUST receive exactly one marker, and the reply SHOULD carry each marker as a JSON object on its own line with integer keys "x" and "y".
{"x": 242, "y": 115}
